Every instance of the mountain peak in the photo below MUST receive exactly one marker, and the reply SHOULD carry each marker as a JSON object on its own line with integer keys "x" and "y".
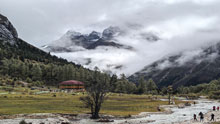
{"x": 111, "y": 32}
{"x": 94, "y": 36}
{"x": 72, "y": 33}
{"x": 71, "y": 41}
{"x": 7, "y": 30}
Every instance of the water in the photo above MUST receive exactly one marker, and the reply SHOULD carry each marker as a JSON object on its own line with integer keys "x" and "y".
{"x": 178, "y": 115}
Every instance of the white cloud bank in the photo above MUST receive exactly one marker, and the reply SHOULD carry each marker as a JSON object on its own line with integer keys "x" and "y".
{"x": 179, "y": 35}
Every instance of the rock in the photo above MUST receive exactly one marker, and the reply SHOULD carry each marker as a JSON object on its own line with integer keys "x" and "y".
{"x": 102, "y": 42}
{"x": 105, "y": 120}
{"x": 187, "y": 104}
{"x": 7, "y": 31}
{"x": 181, "y": 106}
{"x": 64, "y": 120}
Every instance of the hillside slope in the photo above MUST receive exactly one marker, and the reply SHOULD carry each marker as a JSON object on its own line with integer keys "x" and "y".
{"x": 22, "y": 61}
{"x": 178, "y": 70}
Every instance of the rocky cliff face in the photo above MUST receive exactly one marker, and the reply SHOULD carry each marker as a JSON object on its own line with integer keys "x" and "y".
{"x": 7, "y": 31}
{"x": 177, "y": 70}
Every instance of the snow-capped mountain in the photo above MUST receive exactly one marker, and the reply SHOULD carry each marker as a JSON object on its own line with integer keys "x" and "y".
{"x": 74, "y": 41}
{"x": 112, "y": 51}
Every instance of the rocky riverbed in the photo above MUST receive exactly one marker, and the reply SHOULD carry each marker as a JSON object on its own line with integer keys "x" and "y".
{"x": 177, "y": 115}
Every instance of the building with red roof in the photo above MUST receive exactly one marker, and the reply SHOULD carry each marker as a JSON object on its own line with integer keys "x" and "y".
{"x": 72, "y": 84}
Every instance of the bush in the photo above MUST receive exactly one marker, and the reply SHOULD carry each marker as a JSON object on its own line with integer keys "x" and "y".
{"x": 23, "y": 122}
{"x": 31, "y": 93}
{"x": 65, "y": 123}
{"x": 191, "y": 96}
{"x": 9, "y": 89}
{"x": 38, "y": 83}
{"x": 215, "y": 95}
{"x": 28, "y": 80}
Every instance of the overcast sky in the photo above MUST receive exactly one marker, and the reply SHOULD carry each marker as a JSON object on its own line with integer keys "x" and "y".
{"x": 181, "y": 24}
{"x": 42, "y": 21}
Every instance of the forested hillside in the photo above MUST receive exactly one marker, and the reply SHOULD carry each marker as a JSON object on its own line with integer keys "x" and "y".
{"x": 25, "y": 62}
{"x": 20, "y": 61}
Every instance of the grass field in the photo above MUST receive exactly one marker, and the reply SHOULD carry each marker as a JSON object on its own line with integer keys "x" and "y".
{"x": 119, "y": 105}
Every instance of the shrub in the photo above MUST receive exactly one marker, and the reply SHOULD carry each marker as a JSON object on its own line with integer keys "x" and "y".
{"x": 191, "y": 96}
{"x": 28, "y": 80}
{"x": 23, "y": 122}
{"x": 215, "y": 95}
{"x": 9, "y": 89}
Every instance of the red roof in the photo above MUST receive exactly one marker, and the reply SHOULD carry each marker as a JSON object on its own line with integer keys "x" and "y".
{"x": 71, "y": 82}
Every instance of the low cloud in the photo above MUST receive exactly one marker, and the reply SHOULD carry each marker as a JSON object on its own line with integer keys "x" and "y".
{"x": 188, "y": 42}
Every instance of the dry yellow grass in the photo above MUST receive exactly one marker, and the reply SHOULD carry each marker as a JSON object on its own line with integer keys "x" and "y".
{"x": 119, "y": 105}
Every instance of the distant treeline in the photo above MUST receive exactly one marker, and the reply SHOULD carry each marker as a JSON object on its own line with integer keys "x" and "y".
{"x": 122, "y": 85}
{"x": 212, "y": 89}
{"x": 25, "y": 62}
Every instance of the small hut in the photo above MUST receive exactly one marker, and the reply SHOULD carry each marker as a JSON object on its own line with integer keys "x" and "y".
{"x": 72, "y": 85}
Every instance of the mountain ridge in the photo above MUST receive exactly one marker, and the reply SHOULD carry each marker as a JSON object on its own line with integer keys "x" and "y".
{"x": 75, "y": 41}
{"x": 201, "y": 68}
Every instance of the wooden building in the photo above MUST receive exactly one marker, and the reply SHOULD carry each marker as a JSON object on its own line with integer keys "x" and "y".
{"x": 72, "y": 84}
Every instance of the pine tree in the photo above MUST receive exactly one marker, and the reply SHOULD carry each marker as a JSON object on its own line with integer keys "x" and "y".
{"x": 142, "y": 87}
{"x": 113, "y": 82}
{"x": 151, "y": 87}
{"x": 36, "y": 73}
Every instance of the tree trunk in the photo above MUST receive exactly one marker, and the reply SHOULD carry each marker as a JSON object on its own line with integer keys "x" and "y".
{"x": 96, "y": 112}
{"x": 92, "y": 110}
{"x": 169, "y": 98}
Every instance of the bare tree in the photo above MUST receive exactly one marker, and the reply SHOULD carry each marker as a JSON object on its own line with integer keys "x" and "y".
{"x": 97, "y": 88}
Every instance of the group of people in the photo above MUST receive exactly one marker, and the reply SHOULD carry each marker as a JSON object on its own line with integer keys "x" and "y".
{"x": 214, "y": 108}
{"x": 202, "y": 115}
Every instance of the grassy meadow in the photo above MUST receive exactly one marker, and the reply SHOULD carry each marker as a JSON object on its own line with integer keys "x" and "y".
{"x": 23, "y": 101}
